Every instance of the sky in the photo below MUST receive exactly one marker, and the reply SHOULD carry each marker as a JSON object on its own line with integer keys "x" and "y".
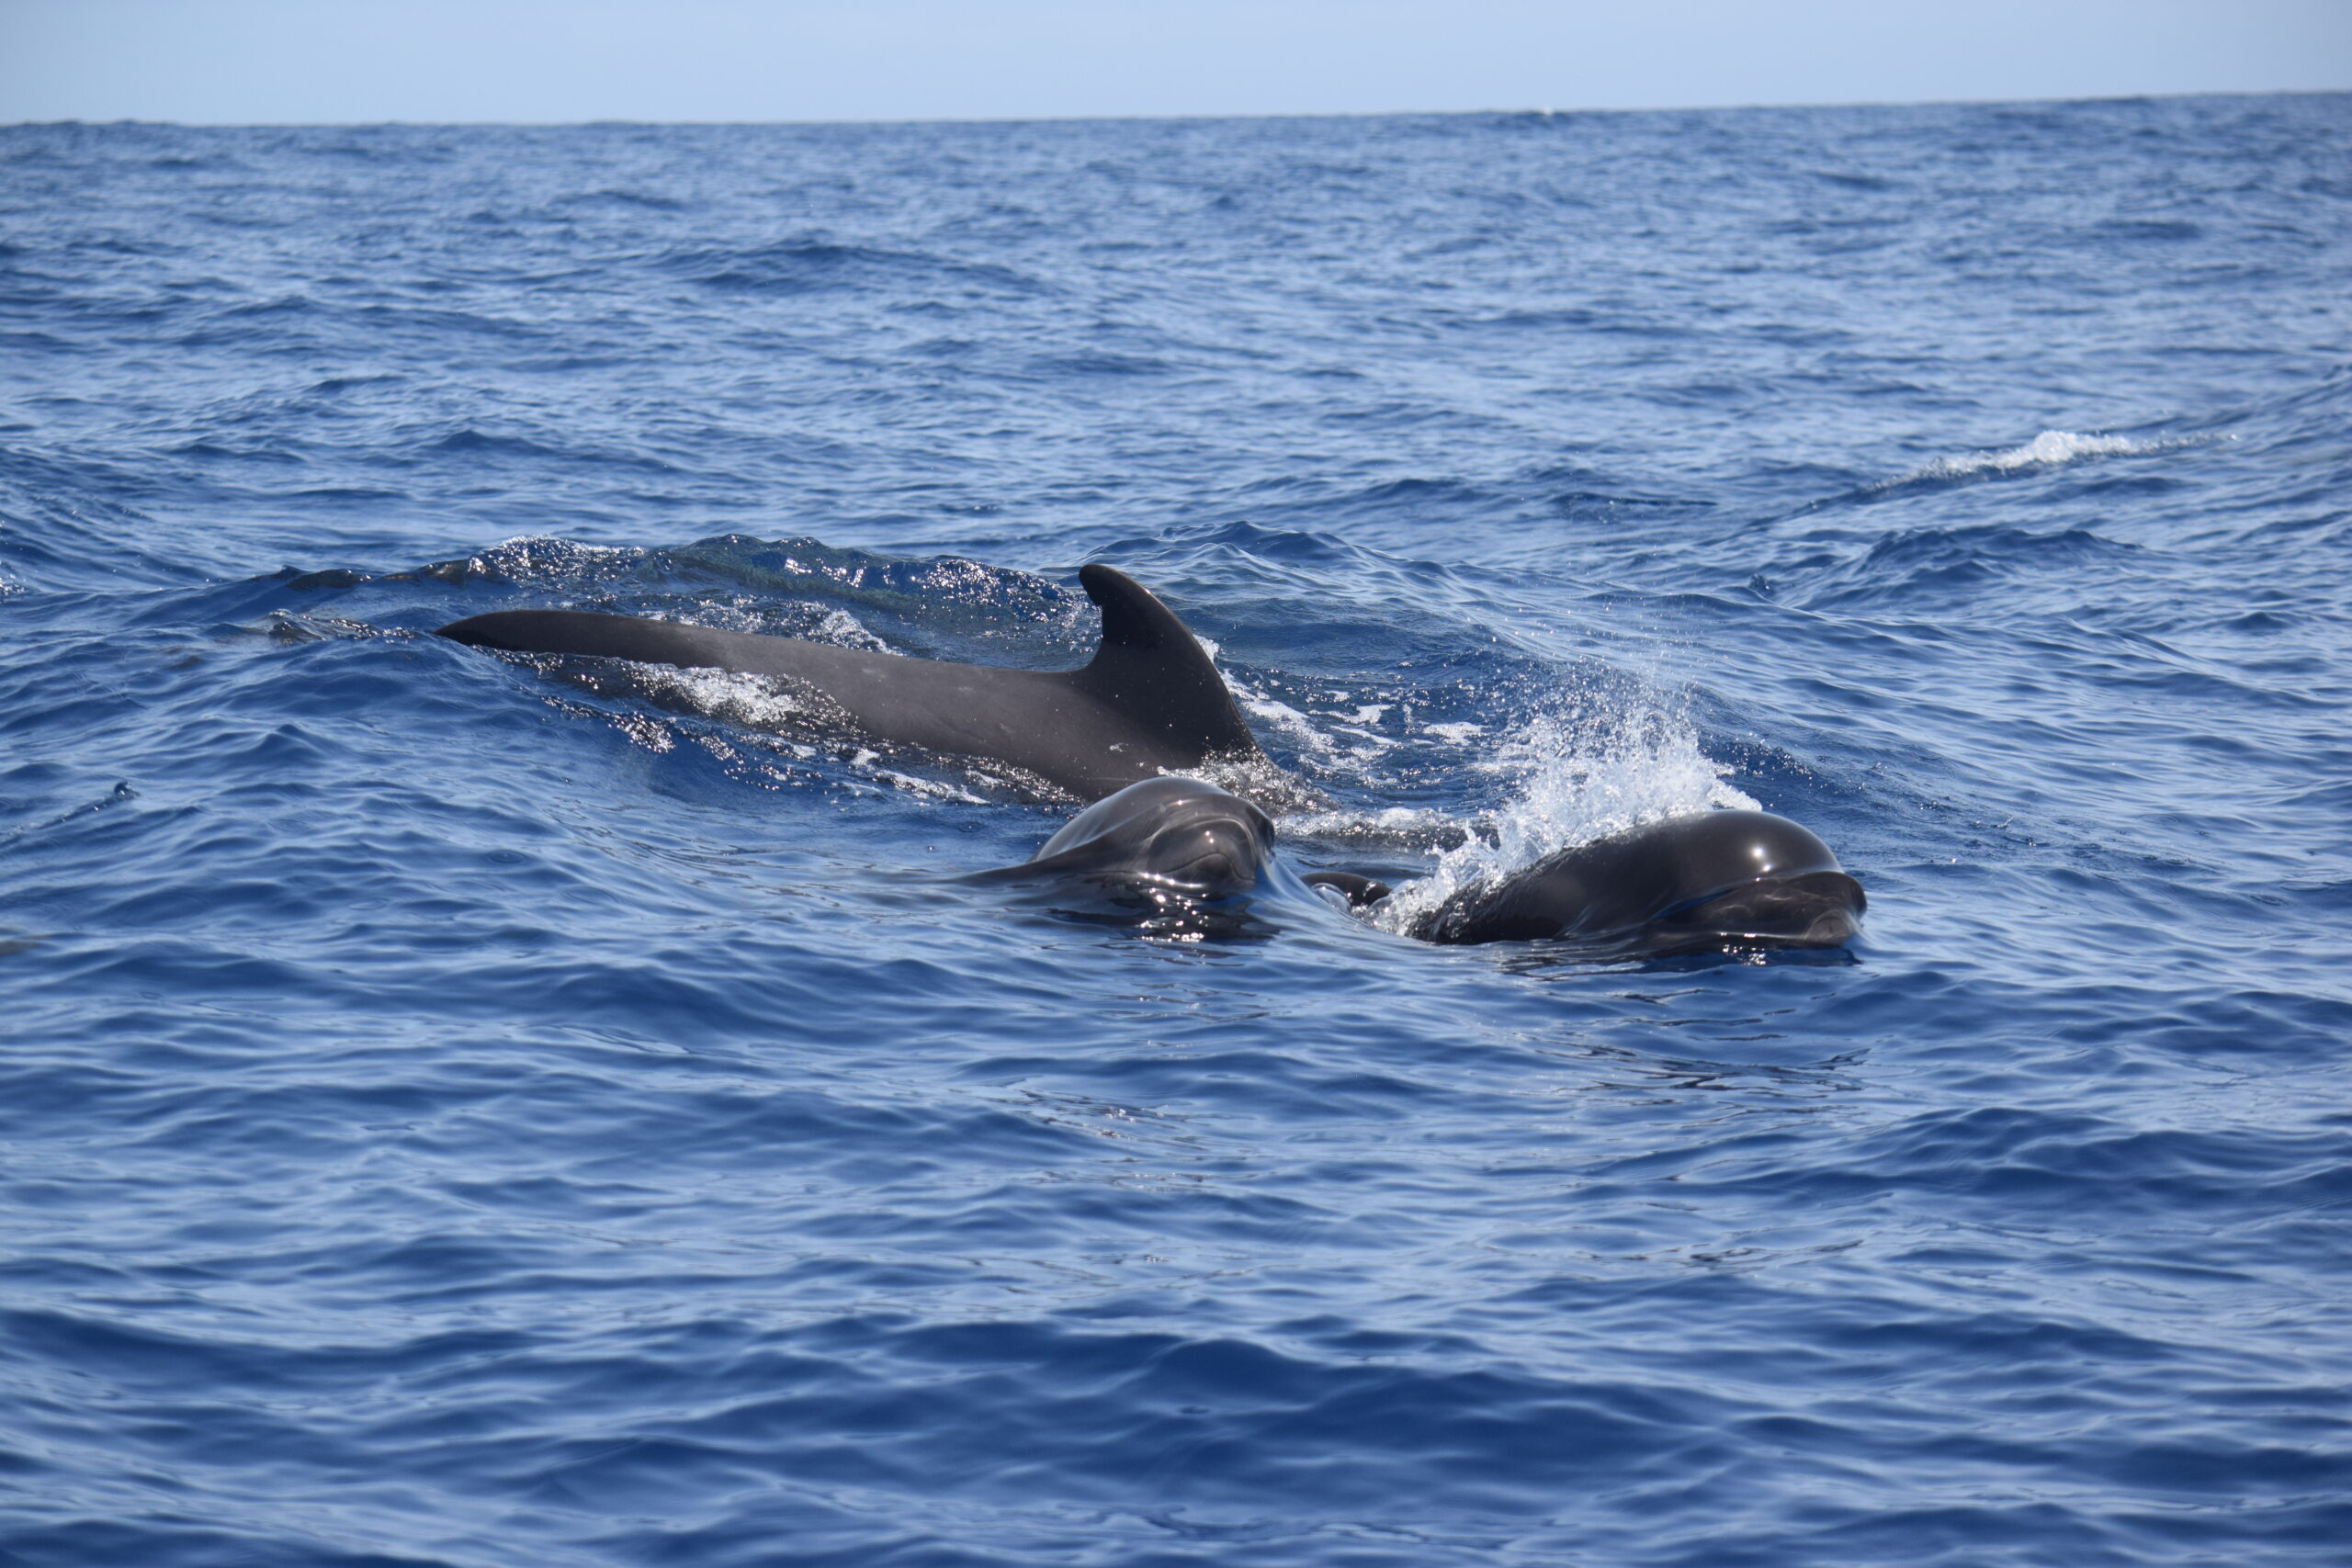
{"x": 275, "y": 62}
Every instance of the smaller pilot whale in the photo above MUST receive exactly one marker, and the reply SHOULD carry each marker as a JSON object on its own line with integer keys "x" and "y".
{"x": 1682, "y": 885}
{"x": 1171, "y": 835}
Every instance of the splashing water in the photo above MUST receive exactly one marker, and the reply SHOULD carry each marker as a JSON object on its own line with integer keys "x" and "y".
{"x": 1579, "y": 779}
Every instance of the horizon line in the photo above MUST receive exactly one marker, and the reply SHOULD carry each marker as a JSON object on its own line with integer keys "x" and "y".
{"x": 1546, "y": 113}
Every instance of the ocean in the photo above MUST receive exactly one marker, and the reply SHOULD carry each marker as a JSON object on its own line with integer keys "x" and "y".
{"x": 461, "y": 1112}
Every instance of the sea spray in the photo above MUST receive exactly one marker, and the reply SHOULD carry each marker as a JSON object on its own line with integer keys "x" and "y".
{"x": 1578, "y": 779}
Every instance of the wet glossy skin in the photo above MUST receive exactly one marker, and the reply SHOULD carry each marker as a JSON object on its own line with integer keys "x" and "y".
{"x": 1148, "y": 703}
{"x": 1693, "y": 882}
{"x": 1722, "y": 875}
{"x": 1180, "y": 835}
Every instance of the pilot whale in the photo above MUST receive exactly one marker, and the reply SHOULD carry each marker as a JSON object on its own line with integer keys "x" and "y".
{"x": 1149, "y": 702}
{"x": 1716, "y": 879}
{"x": 1180, "y": 855}
{"x": 1687, "y": 883}
{"x": 1179, "y": 836}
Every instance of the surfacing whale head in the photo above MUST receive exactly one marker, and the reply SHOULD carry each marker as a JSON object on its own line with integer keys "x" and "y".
{"x": 1720, "y": 878}
{"x": 1174, "y": 835}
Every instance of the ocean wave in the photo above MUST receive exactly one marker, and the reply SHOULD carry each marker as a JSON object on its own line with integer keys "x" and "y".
{"x": 2051, "y": 449}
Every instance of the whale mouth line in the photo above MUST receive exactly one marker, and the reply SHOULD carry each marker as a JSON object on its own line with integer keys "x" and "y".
{"x": 1803, "y": 908}
{"x": 1814, "y": 878}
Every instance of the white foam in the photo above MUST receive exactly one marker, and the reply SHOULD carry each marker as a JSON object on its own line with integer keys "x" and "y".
{"x": 543, "y": 545}
{"x": 1412, "y": 829}
{"x": 730, "y": 695}
{"x": 1315, "y": 745}
{"x": 1300, "y": 728}
{"x": 1254, "y": 777}
{"x": 841, "y": 627}
{"x": 868, "y": 762}
{"x": 1284, "y": 716}
{"x": 742, "y": 614}
{"x": 2051, "y": 449}
{"x": 1324, "y": 753}
{"x": 1577, "y": 782}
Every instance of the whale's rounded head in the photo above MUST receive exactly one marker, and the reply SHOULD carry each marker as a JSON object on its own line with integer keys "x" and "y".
{"x": 1738, "y": 877}
{"x": 1180, "y": 835}
{"x": 1719, "y": 877}
{"x": 1822, "y": 907}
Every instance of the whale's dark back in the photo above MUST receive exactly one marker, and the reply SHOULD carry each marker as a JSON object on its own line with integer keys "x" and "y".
{"x": 1149, "y": 701}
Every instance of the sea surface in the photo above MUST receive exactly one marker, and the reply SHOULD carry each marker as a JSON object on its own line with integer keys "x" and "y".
{"x": 485, "y": 1113}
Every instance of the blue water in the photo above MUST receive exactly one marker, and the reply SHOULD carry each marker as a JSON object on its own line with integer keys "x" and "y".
{"x": 457, "y": 1113}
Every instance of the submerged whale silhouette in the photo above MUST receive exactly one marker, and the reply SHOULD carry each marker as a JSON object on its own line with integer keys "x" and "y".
{"x": 1149, "y": 702}
{"x": 1745, "y": 877}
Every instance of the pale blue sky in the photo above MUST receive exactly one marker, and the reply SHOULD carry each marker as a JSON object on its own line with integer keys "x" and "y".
{"x": 279, "y": 61}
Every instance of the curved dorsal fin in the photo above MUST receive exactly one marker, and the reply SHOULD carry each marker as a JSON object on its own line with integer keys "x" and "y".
{"x": 1131, "y": 616}
{"x": 1149, "y": 666}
